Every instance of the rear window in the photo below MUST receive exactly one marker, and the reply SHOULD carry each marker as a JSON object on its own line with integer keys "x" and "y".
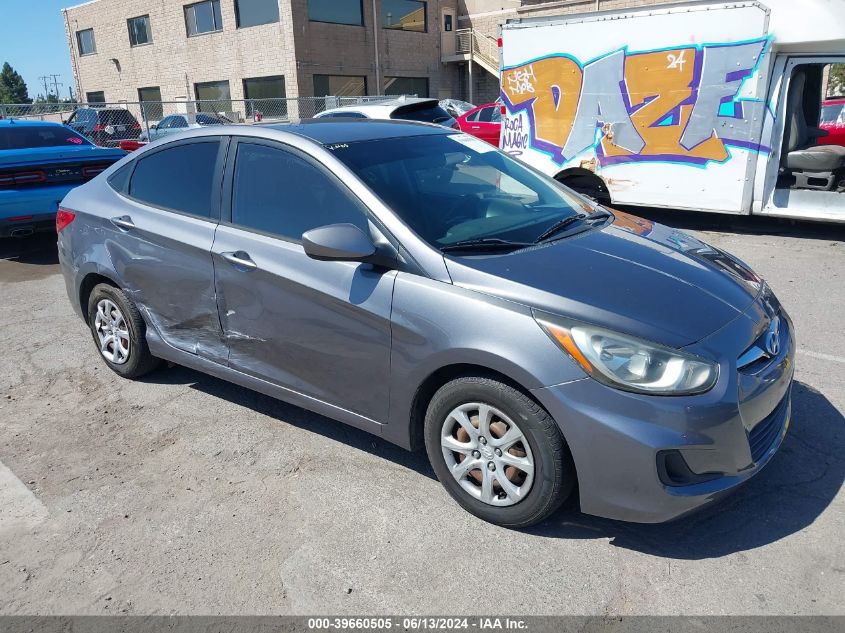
{"x": 426, "y": 112}
{"x": 23, "y": 137}
{"x": 116, "y": 117}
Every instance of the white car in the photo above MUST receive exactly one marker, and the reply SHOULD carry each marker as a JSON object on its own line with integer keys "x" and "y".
{"x": 403, "y": 108}
{"x": 181, "y": 122}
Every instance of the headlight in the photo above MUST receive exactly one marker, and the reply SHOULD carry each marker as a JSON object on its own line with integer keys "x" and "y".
{"x": 629, "y": 363}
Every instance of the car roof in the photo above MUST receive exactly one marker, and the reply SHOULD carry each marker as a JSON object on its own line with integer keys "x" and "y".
{"x": 28, "y": 123}
{"x": 836, "y": 101}
{"x": 337, "y": 130}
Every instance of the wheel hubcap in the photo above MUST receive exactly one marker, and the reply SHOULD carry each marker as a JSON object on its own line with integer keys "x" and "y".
{"x": 112, "y": 332}
{"x": 487, "y": 454}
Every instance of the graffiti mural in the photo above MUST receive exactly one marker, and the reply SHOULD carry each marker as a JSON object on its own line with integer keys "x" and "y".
{"x": 678, "y": 105}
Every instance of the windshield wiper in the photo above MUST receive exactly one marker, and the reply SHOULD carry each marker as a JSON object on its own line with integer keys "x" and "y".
{"x": 558, "y": 226}
{"x": 484, "y": 244}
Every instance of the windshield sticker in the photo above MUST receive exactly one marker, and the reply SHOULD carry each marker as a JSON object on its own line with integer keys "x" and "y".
{"x": 475, "y": 144}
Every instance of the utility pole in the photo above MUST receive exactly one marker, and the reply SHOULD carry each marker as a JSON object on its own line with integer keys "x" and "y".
{"x": 44, "y": 79}
{"x": 56, "y": 84}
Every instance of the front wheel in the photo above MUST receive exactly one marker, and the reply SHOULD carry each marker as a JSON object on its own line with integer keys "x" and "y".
{"x": 497, "y": 452}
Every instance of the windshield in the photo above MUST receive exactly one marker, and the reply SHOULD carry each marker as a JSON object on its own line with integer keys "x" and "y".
{"x": 425, "y": 111}
{"x": 14, "y": 137}
{"x": 452, "y": 188}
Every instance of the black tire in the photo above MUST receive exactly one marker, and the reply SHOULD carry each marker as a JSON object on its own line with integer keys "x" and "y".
{"x": 139, "y": 361}
{"x": 554, "y": 472}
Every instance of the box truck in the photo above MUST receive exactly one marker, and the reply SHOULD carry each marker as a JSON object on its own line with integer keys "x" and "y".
{"x": 709, "y": 106}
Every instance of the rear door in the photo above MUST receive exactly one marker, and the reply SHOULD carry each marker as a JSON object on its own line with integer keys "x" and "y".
{"x": 319, "y": 328}
{"x": 485, "y": 123}
{"x": 159, "y": 239}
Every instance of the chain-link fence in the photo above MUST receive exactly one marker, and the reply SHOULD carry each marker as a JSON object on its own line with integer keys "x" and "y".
{"x": 109, "y": 123}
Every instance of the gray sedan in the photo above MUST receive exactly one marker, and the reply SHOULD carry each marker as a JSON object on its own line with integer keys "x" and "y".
{"x": 415, "y": 282}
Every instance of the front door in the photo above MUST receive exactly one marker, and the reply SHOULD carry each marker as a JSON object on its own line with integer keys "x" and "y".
{"x": 319, "y": 328}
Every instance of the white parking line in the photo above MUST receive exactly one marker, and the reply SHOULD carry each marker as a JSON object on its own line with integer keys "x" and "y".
{"x": 820, "y": 356}
{"x": 18, "y": 506}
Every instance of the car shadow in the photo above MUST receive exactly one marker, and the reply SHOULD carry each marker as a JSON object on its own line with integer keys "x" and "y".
{"x": 741, "y": 224}
{"x": 799, "y": 483}
{"x": 39, "y": 249}
{"x": 294, "y": 415}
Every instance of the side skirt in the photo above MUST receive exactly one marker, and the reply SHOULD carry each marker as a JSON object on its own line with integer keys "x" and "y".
{"x": 160, "y": 349}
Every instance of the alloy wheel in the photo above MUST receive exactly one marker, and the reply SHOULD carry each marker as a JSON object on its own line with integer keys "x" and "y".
{"x": 112, "y": 332}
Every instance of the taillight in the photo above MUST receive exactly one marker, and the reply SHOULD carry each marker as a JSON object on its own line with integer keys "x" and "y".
{"x": 22, "y": 178}
{"x": 136, "y": 126}
{"x": 63, "y": 218}
{"x": 99, "y": 127}
{"x": 93, "y": 170}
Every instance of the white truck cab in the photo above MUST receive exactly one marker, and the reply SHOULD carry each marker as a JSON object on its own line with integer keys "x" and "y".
{"x": 710, "y": 106}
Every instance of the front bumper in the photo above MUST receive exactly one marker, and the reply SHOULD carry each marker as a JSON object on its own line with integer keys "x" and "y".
{"x": 730, "y": 432}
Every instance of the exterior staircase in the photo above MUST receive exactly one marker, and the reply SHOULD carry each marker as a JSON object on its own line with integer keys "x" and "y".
{"x": 471, "y": 45}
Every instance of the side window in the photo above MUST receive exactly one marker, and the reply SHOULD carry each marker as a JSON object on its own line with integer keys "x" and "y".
{"x": 278, "y": 192}
{"x": 119, "y": 180}
{"x": 485, "y": 115}
{"x": 161, "y": 180}
{"x": 474, "y": 116}
{"x": 178, "y": 122}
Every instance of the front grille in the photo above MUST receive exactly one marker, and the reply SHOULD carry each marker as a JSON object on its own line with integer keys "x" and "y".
{"x": 762, "y": 436}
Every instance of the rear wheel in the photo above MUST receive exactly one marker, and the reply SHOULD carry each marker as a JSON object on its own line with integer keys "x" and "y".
{"x": 119, "y": 332}
{"x": 497, "y": 452}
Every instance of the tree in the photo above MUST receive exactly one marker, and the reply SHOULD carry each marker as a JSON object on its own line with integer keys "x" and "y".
{"x": 12, "y": 86}
{"x": 836, "y": 81}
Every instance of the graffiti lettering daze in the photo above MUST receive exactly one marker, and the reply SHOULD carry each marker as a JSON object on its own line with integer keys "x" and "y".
{"x": 680, "y": 105}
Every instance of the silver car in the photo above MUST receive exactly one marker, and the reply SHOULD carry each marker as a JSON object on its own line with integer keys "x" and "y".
{"x": 415, "y": 282}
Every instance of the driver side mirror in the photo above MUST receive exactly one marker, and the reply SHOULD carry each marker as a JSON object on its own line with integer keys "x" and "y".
{"x": 338, "y": 242}
{"x": 154, "y": 126}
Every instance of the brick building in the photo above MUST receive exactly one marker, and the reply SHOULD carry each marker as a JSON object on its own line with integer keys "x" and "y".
{"x": 166, "y": 50}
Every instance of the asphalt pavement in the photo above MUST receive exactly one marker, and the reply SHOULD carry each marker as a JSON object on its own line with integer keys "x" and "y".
{"x": 184, "y": 494}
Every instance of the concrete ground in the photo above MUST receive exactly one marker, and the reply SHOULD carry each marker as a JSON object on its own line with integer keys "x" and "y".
{"x": 185, "y": 494}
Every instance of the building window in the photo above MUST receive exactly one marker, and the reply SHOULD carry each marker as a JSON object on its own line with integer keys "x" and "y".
{"x": 404, "y": 15}
{"x": 151, "y": 106}
{"x": 406, "y": 86}
{"x": 85, "y": 42}
{"x": 95, "y": 97}
{"x": 265, "y": 98}
{"x": 339, "y": 86}
{"x": 336, "y": 11}
{"x": 255, "y": 12}
{"x": 139, "y": 30}
{"x": 203, "y": 17}
{"x": 214, "y": 96}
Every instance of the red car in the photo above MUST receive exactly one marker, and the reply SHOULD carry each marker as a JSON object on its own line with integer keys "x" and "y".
{"x": 485, "y": 122}
{"x": 833, "y": 120}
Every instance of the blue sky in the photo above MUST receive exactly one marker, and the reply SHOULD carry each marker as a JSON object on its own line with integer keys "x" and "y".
{"x": 32, "y": 40}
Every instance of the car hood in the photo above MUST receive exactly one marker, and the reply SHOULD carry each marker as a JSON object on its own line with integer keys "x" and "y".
{"x": 631, "y": 276}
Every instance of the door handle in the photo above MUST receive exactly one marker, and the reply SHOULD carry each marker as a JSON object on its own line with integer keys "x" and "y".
{"x": 239, "y": 259}
{"x": 123, "y": 222}
{"x": 476, "y": 127}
